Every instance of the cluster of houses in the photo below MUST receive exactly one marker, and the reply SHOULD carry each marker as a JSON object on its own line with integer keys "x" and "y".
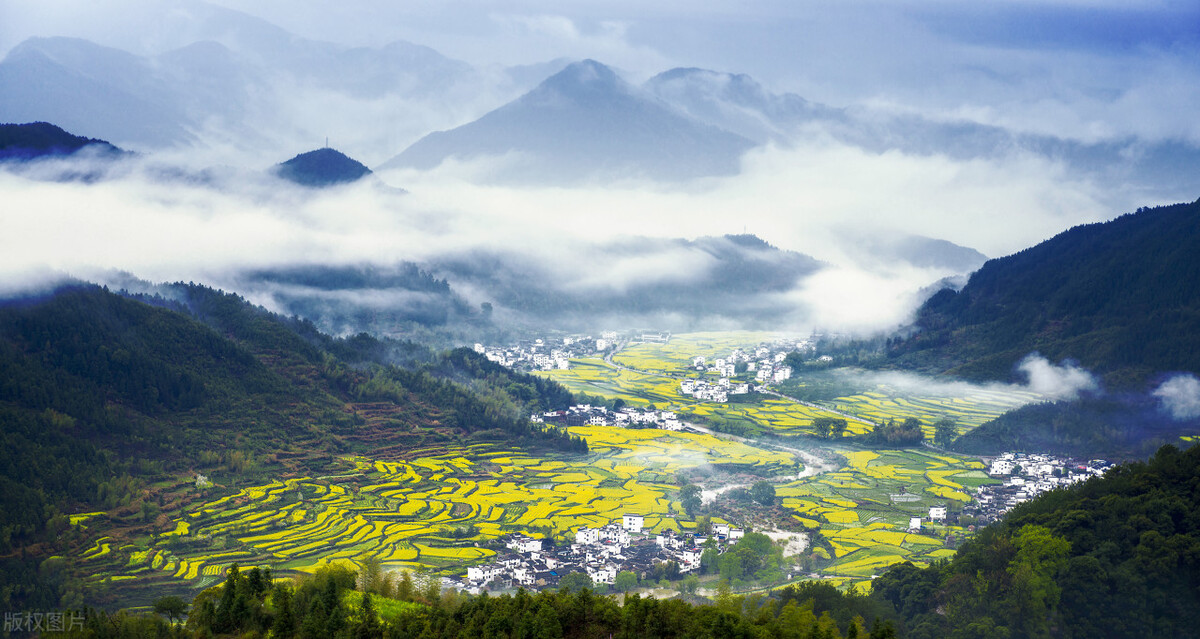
{"x": 765, "y": 362}
{"x": 600, "y": 553}
{"x": 706, "y": 391}
{"x": 627, "y": 417}
{"x": 545, "y": 354}
{"x": 548, "y": 354}
{"x": 1026, "y": 476}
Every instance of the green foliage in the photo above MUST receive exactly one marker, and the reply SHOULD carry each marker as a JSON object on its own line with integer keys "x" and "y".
{"x": 944, "y": 431}
{"x": 893, "y": 435}
{"x": 763, "y": 492}
{"x": 625, "y": 581}
{"x": 689, "y": 496}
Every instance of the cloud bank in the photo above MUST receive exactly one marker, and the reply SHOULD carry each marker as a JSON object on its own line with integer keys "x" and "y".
{"x": 1180, "y": 396}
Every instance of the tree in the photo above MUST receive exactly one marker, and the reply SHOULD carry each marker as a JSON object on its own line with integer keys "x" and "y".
{"x": 794, "y": 360}
{"x": 689, "y": 496}
{"x": 575, "y": 582}
{"x": 944, "y": 431}
{"x": 625, "y": 581}
{"x": 171, "y": 607}
{"x": 690, "y": 584}
{"x": 368, "y": 625}
{"x": 829, "y": 426}
{"x": 763, "y": 492}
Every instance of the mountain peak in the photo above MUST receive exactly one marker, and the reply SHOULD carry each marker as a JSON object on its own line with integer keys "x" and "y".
{"x": 322, "y": 167}
{"x": 583, "y": 79}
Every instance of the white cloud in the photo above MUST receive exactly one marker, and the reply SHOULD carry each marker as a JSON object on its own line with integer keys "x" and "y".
{"x": 1180, "y": 396}
{"x": 1062, "y": 381}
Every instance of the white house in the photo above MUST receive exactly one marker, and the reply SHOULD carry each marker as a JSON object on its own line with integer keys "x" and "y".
{"x": 525, "y": 544}
{"x": 937, "y": 513}
{"x": 605, "y": 574}
{"x": 587, "y": 535}
{"x": 633, "y": 523}
{"x": 736, "y": 533}
{"x": 721, "y": 530}
{"x": 914, "y": 524}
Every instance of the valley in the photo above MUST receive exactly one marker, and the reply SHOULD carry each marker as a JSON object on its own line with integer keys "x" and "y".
{"x": 438, "y": 510}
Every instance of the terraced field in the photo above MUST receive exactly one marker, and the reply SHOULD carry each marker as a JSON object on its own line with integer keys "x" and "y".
{"x": 434, "y": 512}
{"x": 969, "y": 407}
{"x": 863, "y": 509}
{"x": 594, "y": 377}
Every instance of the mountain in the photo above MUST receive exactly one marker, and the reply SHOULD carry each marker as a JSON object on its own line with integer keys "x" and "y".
{"x": 395, "y": 300}
{"x": 41, "y": 139}
{"x": 735, "y": 102}
{"x": 672, "y": 284}
{"x": 86, "y": 87}
{"x": 1115, "y": 556}
{"x": 322, "y": 167}
{"x": 1119, "y": 297}
{"x": 584, "y": 123}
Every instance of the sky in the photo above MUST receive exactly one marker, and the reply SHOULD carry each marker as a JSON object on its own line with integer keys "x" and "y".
{"x": 1085, "y": 70}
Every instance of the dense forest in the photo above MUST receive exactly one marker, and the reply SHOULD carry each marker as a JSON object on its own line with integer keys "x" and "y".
{"x": 1119, "y": 297}
{"x": 102, "y": 396}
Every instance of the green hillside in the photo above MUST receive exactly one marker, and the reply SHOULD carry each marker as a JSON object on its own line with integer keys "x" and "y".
{"x": 107, "y": 401}
{"x": 1120, "y": 297}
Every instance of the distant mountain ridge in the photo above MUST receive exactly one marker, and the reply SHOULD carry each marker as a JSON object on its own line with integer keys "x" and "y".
{"x": 584, "y": 123}
{"x": 1120, "y": 297}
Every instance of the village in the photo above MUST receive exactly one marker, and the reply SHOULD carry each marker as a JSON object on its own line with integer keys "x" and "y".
{"x": 1027, "y": 475}
{"x": 625, "y": 417}
{"x": 600, "y": 553}
{"x": 546, "y": 354}
{"x": 766, "y": 362}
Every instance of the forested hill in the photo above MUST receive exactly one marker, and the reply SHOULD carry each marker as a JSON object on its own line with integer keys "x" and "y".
{"x": 1117, "y": 556}
{"x": 103, "y": 396}
{"x": 1120, "y": 297}
{"x": 40, "y": 139}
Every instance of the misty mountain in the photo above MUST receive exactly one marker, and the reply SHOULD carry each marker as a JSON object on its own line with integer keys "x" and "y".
{"x": 735, "y": 102}
{"x": 584, "y": 122}
{"x": 673, "y": 284}
{"x": 915, "y": 250}
{"x": 42, "y": 139}
{"x": 398, "y": 300}
{"x": 226, "y": 78}
{"x": 1119, "y": 297}
{"x": 322, "y": 167}
{"x": 86, "y": 87}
